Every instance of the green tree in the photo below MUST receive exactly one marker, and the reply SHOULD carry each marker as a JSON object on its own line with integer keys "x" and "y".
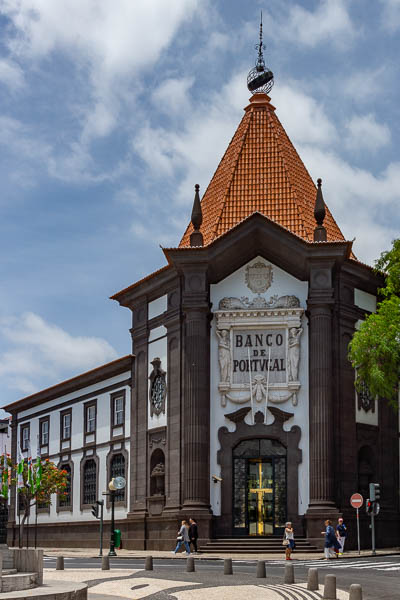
{"x": 374, "y": 350}
{"x": 36, "y": 483}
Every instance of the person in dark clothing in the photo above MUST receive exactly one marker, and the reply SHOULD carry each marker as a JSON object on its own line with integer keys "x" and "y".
{"x": 193, "y": 534}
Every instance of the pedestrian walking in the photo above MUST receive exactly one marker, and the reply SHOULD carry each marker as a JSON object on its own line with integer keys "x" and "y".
{"x": 341, "y": 534}
{"x": 288, "y": 540}
{"x": 193, "y": 534}
{"x": 331, "y": 542}
{"x": 183, "y": 538}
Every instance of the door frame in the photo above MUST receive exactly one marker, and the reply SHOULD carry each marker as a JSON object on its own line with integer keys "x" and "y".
{"x": 228, "y": 440}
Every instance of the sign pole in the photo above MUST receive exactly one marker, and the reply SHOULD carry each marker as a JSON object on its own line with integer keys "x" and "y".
{"x": 373, "y": 533}
{"x": 358, "y": 531}
{"x": 356, "y": 502}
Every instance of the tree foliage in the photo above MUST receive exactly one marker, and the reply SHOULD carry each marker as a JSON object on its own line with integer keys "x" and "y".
{"x": 36, "y": 482}
{"x": 375, "y": 348}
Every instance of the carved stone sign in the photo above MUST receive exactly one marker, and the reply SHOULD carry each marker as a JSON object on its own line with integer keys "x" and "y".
{"x": 258, "y": 277}
{"x": 259, "y": 351}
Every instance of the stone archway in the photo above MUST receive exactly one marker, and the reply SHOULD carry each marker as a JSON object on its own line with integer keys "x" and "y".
{"x": 228, "y": 440}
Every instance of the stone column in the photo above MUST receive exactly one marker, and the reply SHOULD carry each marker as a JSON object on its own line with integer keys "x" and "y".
{"x": 196, "y": 392}
{"x": 321, "y": 423}
{"x": 321, "y": 410}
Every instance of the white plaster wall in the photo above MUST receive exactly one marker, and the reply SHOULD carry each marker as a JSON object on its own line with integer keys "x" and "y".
{"x": 102, "y": 437}
{"x": 234, "y": 285}
{"x": 158, "y": 348}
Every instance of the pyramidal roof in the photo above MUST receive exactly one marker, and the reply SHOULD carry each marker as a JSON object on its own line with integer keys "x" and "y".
{"x": 261, "y": 172}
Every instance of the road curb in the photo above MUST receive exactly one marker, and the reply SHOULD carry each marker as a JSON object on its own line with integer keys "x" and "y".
{"x": 221, "y": 558}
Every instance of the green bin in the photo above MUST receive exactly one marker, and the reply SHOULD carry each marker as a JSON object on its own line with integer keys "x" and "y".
{"x": 117, "y": 538}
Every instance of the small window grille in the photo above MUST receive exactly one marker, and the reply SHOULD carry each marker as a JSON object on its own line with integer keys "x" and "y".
{"x": 66, "y": 500}
{"x": 118, "y": 470}
{"x": 89, "y": 482}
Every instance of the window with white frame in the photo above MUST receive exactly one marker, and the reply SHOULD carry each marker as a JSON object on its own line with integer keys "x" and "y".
{"x": 44, "y": 432}
{"x": 91, "y": 418}
{"x": 66, "y": 426}
{"x": 118, "y": 417}
{"x": 25, "y": 437}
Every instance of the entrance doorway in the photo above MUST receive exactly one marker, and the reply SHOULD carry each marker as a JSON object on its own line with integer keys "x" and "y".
{"x": 259, "y": 481}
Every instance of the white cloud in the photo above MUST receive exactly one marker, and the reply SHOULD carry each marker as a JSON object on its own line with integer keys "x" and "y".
{"x": 171, "y": 96}
{"x": 391, "y": 15}
{"x": 41, "y": 349}
{"x": 364, "y": 205}
{"x": 11, "y": 74}
{"x": 365, "y": 133}
{"x": 329, "y": 22}
{"x": 361, "y": 83}
{"x": 305, "y": 119}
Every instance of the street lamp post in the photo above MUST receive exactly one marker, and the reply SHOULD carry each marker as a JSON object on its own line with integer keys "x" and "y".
{"x": 116, "y": 484}
{"x": 112, "y": 536}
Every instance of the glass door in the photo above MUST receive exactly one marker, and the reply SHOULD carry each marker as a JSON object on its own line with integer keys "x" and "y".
{"x": 260, "y": 503}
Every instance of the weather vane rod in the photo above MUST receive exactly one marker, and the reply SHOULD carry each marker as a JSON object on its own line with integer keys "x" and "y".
{"x": 260, "y": 79}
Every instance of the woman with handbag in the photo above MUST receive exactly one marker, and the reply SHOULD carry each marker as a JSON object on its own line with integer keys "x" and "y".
{"x": 288, "y": 540}
{"x": 183, "y": 538}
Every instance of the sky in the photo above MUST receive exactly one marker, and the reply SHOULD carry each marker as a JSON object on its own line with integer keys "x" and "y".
{"x": 111, "y": 112}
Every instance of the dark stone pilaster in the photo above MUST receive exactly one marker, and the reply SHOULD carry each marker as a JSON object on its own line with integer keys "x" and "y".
{"x": 196, "y": 396}
{"x": 321, "y": 423}
{"x": 173, "y": 322}
{"x": 138, "y": 442}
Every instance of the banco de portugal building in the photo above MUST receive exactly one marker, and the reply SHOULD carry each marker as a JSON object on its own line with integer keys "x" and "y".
{"x": 239, "y": 400}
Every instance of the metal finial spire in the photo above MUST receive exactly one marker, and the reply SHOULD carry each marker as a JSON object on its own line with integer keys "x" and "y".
{"x": 260, "y": 79}
{"x": 260, "y": 47}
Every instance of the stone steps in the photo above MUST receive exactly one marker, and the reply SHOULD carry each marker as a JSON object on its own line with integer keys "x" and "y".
{"x": 18, "y": 582}
{"x": 248, "y": 545}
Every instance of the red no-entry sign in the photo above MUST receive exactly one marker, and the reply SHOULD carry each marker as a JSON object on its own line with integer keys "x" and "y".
{"x": 356, "y": 501}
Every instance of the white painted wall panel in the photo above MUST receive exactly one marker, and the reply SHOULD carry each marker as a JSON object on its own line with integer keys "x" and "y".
{"x": 235, "y": 286}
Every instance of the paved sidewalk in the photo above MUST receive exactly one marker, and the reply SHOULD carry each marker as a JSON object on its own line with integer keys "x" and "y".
{"x": 138, "y": 584}
{"x": 94, "y": 553}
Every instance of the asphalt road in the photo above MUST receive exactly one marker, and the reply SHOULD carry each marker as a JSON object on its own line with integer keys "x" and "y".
{"x": 379, "y": 576}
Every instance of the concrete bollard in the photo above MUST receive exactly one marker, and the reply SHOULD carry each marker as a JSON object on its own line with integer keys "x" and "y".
{"x": 228, "y": 566}
{"x": 312, "y": 581}
{"x": 330, "y": 587}
{"x": 148, "y": 565}
{"x": 190, "y": 565}
{"x": 60, "y": 563}
{"x": 105, "y": 563}
{"x": 261, "y": 569}
{"x": 355, "y": 592}
{"x": 289, "y": 574}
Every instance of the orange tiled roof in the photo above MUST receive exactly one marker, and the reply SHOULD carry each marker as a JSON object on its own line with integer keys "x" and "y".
{"x": 261, "y": 171}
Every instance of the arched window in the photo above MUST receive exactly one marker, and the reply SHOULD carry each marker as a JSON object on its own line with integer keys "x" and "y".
{"x": 117, "y": 469}
{"x": 67, "y": 499}
{"x": 89, "y": 481}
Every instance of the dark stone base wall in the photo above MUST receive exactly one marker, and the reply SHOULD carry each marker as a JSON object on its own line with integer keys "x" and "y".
{"x": 151, "y": 533}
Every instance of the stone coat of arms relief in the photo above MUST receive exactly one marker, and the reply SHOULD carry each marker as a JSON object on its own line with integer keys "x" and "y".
{"x": 259, "y": 344}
